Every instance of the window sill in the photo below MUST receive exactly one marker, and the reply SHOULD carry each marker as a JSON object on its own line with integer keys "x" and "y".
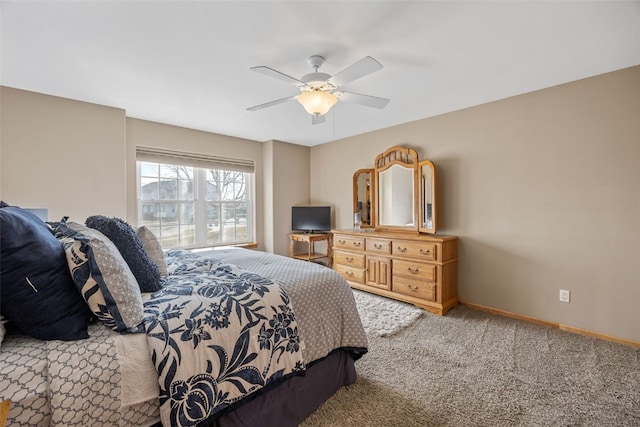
{"x": 251, "y": 245}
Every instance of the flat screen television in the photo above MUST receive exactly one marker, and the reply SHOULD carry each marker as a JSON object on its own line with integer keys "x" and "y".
{"x": 311, "y": 219}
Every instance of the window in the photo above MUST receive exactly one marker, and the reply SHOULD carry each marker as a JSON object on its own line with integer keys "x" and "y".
{"x": 188, "y": 206}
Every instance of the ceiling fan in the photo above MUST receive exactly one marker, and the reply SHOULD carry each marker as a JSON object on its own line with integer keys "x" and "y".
{"x": 320, "y": 91}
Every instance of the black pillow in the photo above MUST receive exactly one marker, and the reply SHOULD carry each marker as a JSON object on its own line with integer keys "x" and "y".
{"x": 130, "y": 246}
{"x": 37, "y": 293}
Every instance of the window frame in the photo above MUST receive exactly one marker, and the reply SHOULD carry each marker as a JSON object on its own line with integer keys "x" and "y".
{"x": 201, "y": 204}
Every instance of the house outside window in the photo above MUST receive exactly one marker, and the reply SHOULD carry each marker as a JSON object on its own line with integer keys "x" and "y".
{"x": 188, "y": 206}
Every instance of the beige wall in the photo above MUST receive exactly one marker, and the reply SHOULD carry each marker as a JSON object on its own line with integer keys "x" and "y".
{"x": 78, "y": 159}
{"x": 290, "y": 183}
{"x": 267, "y": 185}
{"x": 64, "y": 155}
{"x": 543, "y": 190}
{"x": 157, "y": 135}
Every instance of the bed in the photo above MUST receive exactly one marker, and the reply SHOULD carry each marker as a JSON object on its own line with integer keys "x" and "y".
{"x": 291, "y": 350}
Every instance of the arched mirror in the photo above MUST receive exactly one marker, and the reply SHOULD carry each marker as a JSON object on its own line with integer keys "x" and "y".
{"x": 363, "y": 196}
{"x": 396, "y": 190}
{"x": 427, "y": 197}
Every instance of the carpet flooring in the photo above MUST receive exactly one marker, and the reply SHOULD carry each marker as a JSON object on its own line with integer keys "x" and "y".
{"x": 384, "y": 319}
{"x": 472, "y": 368}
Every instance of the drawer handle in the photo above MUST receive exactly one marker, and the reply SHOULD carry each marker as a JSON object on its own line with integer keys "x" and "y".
{"x": 377, "y": 245}
{"x": 342, "y": 242}
{"x": 402, "y": 249}
{"x": 427, "y": 252}
{"x": 349, "y": 259}
{"x": 356, "y": 243}
{"x": 350, "y": 273}
{"x": 414, "y": 270}
{"x": 413, "y": 288}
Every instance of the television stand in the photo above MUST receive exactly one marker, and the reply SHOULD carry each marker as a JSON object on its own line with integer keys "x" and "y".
{"x": 311, "y": 255}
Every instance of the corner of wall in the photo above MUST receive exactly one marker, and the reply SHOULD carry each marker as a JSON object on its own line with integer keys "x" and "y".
{"x": 267, "y": 183}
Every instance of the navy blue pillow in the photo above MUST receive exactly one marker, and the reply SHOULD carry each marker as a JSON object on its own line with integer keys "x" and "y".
{"x": 37, "y": 293}
{"x": 131, "y": 248}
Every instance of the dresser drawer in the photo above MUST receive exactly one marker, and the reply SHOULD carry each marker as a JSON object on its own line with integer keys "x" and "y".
{"x": 379, "y": 246}
{"x": 416, "y": 270}
{"x": 349, "y": 259}
{"x": 422, "y": 250}
{"x": 414, "y": 288}
{"x": 351, "y": 243}
{"x": 350, "y": 273}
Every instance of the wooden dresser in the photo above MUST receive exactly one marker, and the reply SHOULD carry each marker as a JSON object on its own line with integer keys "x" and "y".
{"x": 416, "y": 268}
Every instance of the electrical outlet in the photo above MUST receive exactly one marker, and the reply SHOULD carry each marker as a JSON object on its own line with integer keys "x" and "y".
{"x": 565, "y": 295}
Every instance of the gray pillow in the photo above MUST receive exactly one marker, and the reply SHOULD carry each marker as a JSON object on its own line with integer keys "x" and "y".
{"x": 128, "y": 243}
{"x": 153, "y": 248}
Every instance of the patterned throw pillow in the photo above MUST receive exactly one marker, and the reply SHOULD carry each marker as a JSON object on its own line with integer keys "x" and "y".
{"x": 102, "y": 276}
{"x": 153, "y": 248}
{"x": 37, "y": 294}
{"x": 128, "y": 243}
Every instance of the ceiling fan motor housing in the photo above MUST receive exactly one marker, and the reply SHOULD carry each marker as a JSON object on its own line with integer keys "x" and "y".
{"x": 317, "y": 81}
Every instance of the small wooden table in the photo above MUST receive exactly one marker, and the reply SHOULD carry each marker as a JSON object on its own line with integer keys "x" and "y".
{"x": 310, "y": 239}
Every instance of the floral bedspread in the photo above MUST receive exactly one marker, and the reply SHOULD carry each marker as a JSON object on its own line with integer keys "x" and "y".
{"x": 217, "y": 333}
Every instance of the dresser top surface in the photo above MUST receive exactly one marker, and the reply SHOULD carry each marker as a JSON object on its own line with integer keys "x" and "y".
{"x": 369, "y": 232}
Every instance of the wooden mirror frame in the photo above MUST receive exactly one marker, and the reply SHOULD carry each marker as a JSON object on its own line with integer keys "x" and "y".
{"x": 407, "y": 158}
{"x": 427, "y": 226}
{"x": 369, "y": 193}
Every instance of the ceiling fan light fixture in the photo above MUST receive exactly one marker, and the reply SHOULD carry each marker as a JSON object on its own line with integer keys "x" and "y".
{"x": 319, "y": 92}
{"x": 317, "y": 101}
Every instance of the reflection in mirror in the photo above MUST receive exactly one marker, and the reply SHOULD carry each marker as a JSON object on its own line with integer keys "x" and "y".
{"x": 428, "y": 196}
{"x": 362, "y": 196}
{"x": 395, "y": 192}
{"x": 396, "y": 189}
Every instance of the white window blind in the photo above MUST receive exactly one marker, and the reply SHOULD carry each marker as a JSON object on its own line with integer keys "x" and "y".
{"x": 157, "y": 155}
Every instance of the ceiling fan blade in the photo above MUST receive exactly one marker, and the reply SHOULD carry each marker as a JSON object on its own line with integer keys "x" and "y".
{"x": 278, "y": 75}
{"x": 366, "y": 65}
{"x": 316, "y": 119}
{"x": 269, "y": 104}
{"x": 357, "y": 98}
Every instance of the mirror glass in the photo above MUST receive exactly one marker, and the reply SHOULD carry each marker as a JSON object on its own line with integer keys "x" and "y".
{"x": 396, "y": 196}
{"x": 362, "y": 196}
{"x": 428, "y": 196}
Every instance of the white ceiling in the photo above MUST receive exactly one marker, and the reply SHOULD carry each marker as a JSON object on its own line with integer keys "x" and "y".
{"x": 187, "y": 62}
